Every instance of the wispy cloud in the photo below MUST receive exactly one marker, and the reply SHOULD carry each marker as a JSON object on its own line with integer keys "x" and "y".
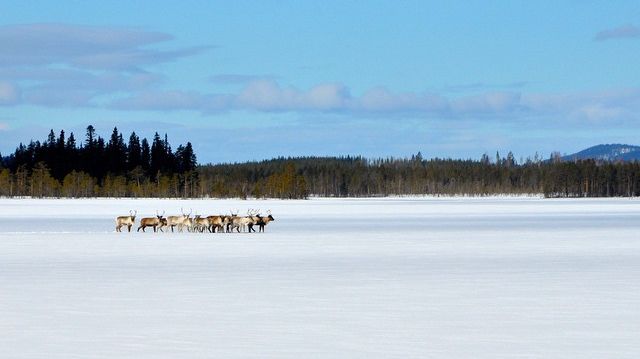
{"x": 71, "y": 65}
{"x": 94, "y": 47}
{"x": 621, "y": 32}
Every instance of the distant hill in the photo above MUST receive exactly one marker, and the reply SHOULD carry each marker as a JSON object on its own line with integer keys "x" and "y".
{"x": 611, "y": 152}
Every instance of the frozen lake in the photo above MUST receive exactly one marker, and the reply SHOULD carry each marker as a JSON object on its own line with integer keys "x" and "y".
{"x": 357, "y": 278}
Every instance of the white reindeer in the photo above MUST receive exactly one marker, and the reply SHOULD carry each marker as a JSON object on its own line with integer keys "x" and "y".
{"x": 179, "y": 221}
{"x": 126, "y": 221}
{"x": 240, "y": 223}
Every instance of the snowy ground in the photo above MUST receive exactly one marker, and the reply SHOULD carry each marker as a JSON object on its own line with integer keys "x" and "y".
{"x": 462, "y": 278}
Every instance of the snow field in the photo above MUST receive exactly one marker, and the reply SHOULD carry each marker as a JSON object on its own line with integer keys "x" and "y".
{"x": 481, "y": 278}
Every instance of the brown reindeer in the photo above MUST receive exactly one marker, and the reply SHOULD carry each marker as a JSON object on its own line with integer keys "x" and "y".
{"x": 126, "y": 221}
{"x": 263, "y": 221}
{"x": 217, "y": 222}
{"x": 156, "y": 222}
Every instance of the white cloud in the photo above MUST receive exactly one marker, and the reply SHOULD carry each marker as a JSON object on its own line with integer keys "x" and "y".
{"x": 269, "y": 96}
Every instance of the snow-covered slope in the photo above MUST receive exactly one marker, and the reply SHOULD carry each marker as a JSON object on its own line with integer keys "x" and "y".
{"x": 472, "y": 278}
{"x": 613, "y": 152}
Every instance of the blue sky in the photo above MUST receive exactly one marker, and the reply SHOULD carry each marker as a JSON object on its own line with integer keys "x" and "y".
{"x": 255, "y": 79}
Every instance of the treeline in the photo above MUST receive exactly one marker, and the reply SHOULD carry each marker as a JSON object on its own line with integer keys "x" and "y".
{"x": 361, "y": 177}
{"x": 61, "y": 167}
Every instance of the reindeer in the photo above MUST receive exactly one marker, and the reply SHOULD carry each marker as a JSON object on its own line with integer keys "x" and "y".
{"x": 233, "y": 215}
{"x": 240, "y": 223}
{"x": 189, "y": 224}
{"x": 179, "y": 221}
{"x": 263, "y": 221}
{"x": 126, "y": 221}
{"x": 255, "y": 219}
{"x": 156, "y": 222}
{"x": 201, "y": 224}
{"x": 217, "y": 222}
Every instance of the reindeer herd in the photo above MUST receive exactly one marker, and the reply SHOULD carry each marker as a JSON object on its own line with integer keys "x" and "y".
{"x": 198, "y": 223}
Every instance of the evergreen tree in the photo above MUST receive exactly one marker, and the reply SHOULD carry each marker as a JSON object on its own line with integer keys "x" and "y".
{"x": 145, "y": 156}
{"x": 71, "y": 142}
{"x": 158, "y": 155}
{"x": 188, "y": 159}
{"x": 51, "y": 139}
{"x": 134, "y": 152}
{"x": 116, "y": 153}
{"x": 91, "y": 135}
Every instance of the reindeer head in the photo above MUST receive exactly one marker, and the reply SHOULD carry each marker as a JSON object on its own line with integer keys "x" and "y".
{"x": 132, "y": 214}
{"x": 159, "y": 215}
{"x": 186, "y": 216}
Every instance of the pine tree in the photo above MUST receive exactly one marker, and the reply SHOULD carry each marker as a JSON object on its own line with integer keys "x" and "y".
{"x": 116, "y": 152}
{"x": 91, "y": 135}
{"x": 51, "y": 139}
{"x": 134, "y": 152}
{"x": 158, "y": 155}
{"x": 145, "y": 156}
